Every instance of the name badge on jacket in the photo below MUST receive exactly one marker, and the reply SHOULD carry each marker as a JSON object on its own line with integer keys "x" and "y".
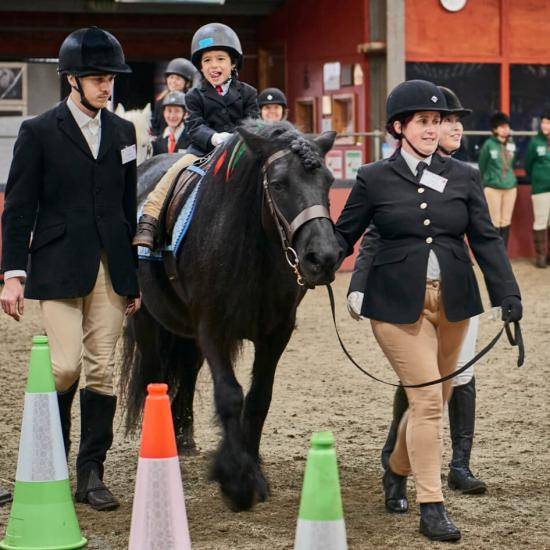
{"x": 128, "y": 154}
{"x": 541, "y": 150}
{"x": 511, "y": 147}
{"x": 433, "y": 181}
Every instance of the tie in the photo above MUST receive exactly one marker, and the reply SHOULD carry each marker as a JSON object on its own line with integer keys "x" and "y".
{"x": 93, "y": 126}
{"x": 420, "y": 167}
{"x": 219, "y": 89}
{"x": 171, "y": 143}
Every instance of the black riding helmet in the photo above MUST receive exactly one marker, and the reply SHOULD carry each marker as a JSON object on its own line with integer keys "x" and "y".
{"x": 216, "y": 36}
{"x": 91, "y": 51}
{"x": 176, "y": 99}
{"x": 182, "y": 67}
{"x": 272, "y": 96}
{"x": 453, "y": 103}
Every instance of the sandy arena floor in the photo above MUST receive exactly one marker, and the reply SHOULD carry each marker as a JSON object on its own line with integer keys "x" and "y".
{"x": 317, "y": 389}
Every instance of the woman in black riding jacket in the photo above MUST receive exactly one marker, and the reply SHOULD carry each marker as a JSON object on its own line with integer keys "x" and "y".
{"x": 421, "y": 289}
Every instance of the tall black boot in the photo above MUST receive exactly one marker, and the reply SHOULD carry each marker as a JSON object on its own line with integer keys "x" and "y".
{"x": 462, "y": 412}
{"x": 505, "y": 234}
{"x": 400, "y": 405}
{"x": 436, "y": 524}
{"x": 97, "y": 413}
{"x": 65, "y": 400}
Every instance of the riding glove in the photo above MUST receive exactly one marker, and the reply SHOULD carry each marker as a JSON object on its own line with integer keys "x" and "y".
{"x": 512, "y": 310}
{"x": 216, "y": 139}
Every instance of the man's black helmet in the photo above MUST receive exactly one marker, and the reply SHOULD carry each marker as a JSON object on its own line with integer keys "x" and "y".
{"x": 182, "y": 67}
{"x": 498, "y": 119}
{"x": 91, "y": 51}
{"x": 216, "y": 36}
{"x": 453, "y": 103}
{"x": 174, "y": 98}
{"x": 272, "y": 96}
{"x": 413, "y": 96}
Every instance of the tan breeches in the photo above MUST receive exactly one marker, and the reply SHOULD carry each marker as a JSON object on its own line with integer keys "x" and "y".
{"x": 419, "y": 352}
{"x": 155, "y": 200}
{"x": 501, "y": 205}
{"x": 83, "y": 332}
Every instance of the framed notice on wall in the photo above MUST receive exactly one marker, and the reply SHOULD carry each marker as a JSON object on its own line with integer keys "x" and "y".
{"x": 352, "y": 163}
{"x": 13, "y": 87}
{"x": 335, "y": 163}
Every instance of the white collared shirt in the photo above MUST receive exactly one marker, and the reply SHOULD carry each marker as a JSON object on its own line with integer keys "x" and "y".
{"x": 225, "y": 86}
{"x": 433, "y": 271}
{"x": 90, "y": 127}
{"x": 91, "y": 130}
{"x": 177, "y": 133}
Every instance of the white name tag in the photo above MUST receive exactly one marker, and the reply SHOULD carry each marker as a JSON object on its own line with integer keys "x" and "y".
{"x": 511, "y": 147}
{"x": 541, "y": 150}
{"x": 128, "y": 154}
{"x": 494, "y": 154}
{"x": 433, "y": 181}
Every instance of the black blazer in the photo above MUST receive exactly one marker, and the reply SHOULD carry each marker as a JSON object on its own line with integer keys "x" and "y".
{"x": 76, "y": 206}
{"x": 387, "y": 194}
{"x": 211, "y": 113}
{"x": 160, "y": 145}
{"x": 363, "y": 262}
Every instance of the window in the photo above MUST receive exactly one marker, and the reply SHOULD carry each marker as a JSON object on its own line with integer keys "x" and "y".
{"x": 478, "y": 87}
{"x": 343, "y": 113}
{"x": 306, "y": 118}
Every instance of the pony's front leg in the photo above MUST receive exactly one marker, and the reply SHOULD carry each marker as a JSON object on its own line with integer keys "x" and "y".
{"x": 268, "y": 351}
{"x": 236, "y": 471}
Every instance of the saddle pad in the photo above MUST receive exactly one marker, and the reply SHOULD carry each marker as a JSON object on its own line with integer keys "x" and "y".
{"x": 181, "y": 225}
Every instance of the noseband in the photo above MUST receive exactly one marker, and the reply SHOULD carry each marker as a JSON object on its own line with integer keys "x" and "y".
{"x": 287, "y": 230}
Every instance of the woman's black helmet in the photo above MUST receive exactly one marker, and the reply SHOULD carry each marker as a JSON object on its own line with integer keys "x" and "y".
{"x": 216, "y": 36}
{"x": 91, "y": 51}
{"x": 453, "y": 103}
{"x": 272, "y": 96}
{"x": 413, "y": 96}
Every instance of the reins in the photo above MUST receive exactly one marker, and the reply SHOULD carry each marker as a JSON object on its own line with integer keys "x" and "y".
{"x": 286, "y": 233}
{"x": 515, "y": 339}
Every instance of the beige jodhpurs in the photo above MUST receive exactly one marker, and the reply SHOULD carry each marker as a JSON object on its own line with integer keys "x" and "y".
{"x": 419, "y": 352}
{"x": 154, "y": 202}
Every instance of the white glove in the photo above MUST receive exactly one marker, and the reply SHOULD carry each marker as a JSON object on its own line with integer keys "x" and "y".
{"x": 216, "y": 139}
{"x": 355, "y": 302}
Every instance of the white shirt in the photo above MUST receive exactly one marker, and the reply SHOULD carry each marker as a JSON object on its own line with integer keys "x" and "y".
{"x": 90, "y": 127}
{"x": 91, "y": 130}
{"x": 177, "y": 133}
{"x": 433, "y": 271}
{"x": 225, "y": 86}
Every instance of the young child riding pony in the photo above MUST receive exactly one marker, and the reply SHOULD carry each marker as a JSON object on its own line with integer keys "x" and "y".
{"x": 215, "y": 109}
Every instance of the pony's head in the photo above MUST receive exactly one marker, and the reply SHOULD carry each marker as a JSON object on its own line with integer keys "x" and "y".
{"x": 141, "y": 119}
{"x": 298, "y": 180}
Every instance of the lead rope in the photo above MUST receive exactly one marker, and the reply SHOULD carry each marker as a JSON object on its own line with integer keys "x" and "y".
{"x": 515, "y": 339}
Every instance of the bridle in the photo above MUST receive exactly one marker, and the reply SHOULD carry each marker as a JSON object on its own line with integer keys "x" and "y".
{"x": 287, "y": 230}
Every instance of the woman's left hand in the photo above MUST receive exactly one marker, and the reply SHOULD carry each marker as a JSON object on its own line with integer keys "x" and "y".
{"x": 512, "y": 310}
{"x": 133, "y": 306}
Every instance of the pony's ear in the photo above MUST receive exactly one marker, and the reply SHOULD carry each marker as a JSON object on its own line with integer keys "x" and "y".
{"x": 147, "y": 110}
{"x": 120, "y": 109}
{"x": 257, "y": 144}
{"x": 325, "y": 141}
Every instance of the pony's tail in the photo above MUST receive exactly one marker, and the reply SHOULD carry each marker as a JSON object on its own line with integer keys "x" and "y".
{"x": 152, "y": 354}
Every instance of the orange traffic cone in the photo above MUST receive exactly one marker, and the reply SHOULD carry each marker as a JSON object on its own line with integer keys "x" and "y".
{"x": 159, "y": 519}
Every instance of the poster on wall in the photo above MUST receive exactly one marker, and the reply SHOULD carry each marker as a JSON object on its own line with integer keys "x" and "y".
{"x": 335, "y": 163}
{"x": 353, "y": 161}
{"x": 326, "y": 124}
{"x": 331, "y": 76}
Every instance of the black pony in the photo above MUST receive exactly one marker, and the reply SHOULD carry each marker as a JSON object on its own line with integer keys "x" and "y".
{"x": 234, "y": 283}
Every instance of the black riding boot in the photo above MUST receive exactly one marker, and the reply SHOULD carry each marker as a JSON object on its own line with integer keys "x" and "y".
{"x": 5, "y": 496}
{"x": 65, "y": 400}
{"x": 435, "y": 524}
{"x": 147, "y": 232}
{"x": 400, "y": 405}
{"x": 97, "y": 414}
{"x": 462, "y": 412}
{"x": 505, "y": 233}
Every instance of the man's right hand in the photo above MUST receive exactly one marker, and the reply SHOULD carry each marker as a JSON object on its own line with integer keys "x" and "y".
{"x": 12, "y": 299}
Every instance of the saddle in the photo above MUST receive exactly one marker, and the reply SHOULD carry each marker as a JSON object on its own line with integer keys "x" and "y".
{"x": 180, "y": 190}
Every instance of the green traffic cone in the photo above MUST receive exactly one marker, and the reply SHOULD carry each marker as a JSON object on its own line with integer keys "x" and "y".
{"x": 321, "y": 519}
{"x": 42, "y": 515}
